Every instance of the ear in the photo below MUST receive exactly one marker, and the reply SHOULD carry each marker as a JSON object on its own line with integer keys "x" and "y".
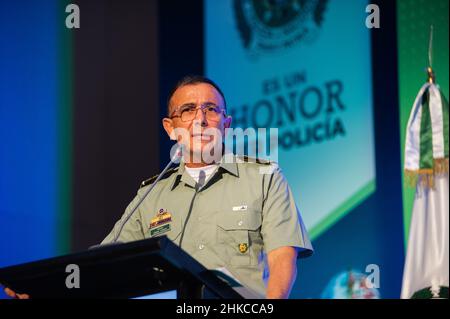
{"x": 227, "y": 122}
{"x": 168, "y": 127}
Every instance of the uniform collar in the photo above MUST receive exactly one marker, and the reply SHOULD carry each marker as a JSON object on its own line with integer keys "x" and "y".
{"x": 227, "y": 163}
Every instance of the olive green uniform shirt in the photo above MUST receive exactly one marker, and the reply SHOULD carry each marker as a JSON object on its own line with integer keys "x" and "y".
{"x": 244, "y": 210}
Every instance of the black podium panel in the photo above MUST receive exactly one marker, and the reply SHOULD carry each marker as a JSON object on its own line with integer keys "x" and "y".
{"x": 119, "y": 271}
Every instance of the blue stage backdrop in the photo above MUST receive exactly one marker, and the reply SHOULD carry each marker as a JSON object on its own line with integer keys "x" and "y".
{"x": 32, "y": 126}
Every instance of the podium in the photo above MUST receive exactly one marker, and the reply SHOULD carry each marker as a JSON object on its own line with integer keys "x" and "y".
{"x": 125, "y": 270}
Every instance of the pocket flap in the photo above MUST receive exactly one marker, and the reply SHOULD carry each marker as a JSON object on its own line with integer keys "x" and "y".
{"x": 230, "y": 220}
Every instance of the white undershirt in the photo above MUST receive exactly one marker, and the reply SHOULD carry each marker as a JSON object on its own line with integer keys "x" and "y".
{"x": 201, "y": 174}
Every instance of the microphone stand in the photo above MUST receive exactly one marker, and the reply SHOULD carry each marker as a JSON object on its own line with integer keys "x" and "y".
{"x": 176, "y": 156}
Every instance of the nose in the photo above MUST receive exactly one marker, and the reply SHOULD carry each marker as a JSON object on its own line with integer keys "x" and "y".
{"x": 200, "y": 117}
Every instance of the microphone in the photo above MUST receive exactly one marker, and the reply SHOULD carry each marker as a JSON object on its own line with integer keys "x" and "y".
{"x": 177, "y": 155}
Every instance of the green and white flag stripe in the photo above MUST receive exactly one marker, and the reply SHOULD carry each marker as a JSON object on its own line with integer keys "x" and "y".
{"x": 427, "y": 131}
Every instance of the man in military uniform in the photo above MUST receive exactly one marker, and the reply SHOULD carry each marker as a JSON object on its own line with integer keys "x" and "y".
{"x": 227, "y": 214}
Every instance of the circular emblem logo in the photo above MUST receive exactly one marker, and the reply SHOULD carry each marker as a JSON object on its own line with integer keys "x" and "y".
{"x": 243, "y": 247}
{"x": 268, "y": 26}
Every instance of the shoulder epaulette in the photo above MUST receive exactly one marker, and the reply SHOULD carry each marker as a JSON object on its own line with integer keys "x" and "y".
{"x": 248, "y": 159}
{"x": 153, "y": 178}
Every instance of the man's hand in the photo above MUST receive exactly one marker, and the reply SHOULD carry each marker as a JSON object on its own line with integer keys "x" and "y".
{"x": 283, "y": 271}
{"x": 14, "y": 295}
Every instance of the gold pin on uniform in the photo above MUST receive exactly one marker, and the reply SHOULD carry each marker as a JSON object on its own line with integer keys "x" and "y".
{"x": 243, "y": 247}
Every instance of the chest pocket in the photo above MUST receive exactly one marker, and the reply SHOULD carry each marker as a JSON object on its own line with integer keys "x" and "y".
{"x": 238, "y": 235}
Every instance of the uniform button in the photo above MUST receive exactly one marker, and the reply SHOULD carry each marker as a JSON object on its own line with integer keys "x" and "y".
{"x": 201, "y": 246}
{"x": 240, "y": 223}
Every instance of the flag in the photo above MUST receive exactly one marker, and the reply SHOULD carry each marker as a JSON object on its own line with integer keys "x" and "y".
{"x": 426, "y": 269}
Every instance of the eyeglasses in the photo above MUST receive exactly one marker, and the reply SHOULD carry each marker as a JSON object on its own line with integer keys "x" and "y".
{"x": 188, "y": 112}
